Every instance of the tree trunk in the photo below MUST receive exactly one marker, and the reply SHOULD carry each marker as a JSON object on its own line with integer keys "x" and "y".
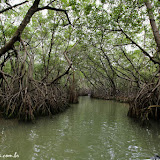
{"x": 73, "y": 96}
{"x": 20, "y": 29}
{"x": 153, "y": 24}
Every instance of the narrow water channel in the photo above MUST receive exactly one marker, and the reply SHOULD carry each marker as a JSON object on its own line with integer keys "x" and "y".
{"x": 91, "y": 130}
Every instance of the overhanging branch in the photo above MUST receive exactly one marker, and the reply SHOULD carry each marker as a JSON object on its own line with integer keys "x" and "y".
{"x": 16, "y": 37}
{"x": 144, "y": 51}
{"x": 55, "y": 9}
{"x": 11, "y": 7}
{"x": 59, "y": 77}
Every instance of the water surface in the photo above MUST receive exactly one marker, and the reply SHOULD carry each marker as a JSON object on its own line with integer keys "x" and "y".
{"x": 91, "y": 130}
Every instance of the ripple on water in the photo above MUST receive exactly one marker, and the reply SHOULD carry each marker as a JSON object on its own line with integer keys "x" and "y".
{"x": 92, "y": 129}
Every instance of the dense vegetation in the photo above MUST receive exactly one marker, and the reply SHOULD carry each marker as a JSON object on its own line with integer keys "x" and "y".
{"x": 53, "y": 50}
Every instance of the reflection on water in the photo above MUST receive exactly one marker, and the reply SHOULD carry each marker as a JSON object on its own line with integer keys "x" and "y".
{"x": 93, "y": 130}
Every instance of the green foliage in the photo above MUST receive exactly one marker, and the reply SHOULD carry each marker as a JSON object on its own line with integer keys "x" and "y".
{"x": 103, "y": 1}
{"x": 98, "y": 55}
{"x": 88, "y": 9}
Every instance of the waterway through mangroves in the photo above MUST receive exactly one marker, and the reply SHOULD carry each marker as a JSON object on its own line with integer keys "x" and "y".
{"x": 91, "y": 130}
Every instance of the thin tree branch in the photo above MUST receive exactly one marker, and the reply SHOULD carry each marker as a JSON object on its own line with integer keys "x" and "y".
{"x": 7, "y": 75}
{"x": 144, "y": 51}
{"x": 51, "y": 2}
{"x": 55, "y": 9}
{"x": 59, "y": 77}
{"x": 16, "y": 37}
{"x": 11, "y": 7}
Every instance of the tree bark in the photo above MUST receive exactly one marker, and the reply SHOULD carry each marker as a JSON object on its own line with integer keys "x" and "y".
{"x": 16, "y": 37}
{"x": 11, "y": 7}
{"x": 153, "y": 24}
{"x": 20, "y": 29}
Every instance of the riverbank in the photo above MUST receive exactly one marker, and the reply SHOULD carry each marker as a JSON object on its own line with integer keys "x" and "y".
{"x": 140, "y": 112}
{"x": 27, "y": 105}
{"x": 119, "y": 98}
{"x": 49, "y": 112}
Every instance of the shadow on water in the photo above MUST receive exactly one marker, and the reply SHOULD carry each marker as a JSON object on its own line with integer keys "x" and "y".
{"x": 93, "y": 129}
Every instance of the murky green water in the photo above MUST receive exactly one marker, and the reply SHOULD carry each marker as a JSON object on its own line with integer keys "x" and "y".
{"x": 91, "y": 130}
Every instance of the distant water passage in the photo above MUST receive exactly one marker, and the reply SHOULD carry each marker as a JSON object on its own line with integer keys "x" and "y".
{"x": 91, "y": 130}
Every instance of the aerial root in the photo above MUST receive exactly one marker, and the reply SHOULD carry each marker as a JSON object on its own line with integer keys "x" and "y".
{"x": 147, "y": 103}
{"x": 35, "y": 99}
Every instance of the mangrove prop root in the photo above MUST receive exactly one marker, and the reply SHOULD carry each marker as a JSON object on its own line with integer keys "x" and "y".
{"x": 25, "y": 102}
{"x": 146, "y": 105}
